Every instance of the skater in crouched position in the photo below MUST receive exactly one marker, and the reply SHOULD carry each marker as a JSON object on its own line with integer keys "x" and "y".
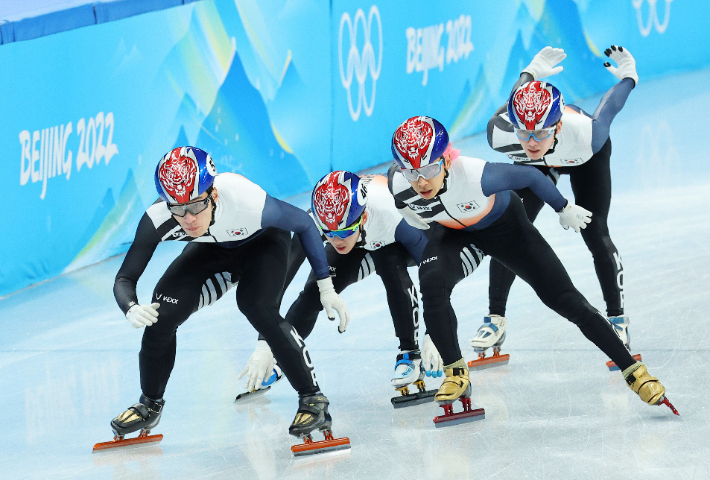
{"x": 365, "y": 234}
{"x": 536, "y": 128}
{"x": 472, "y": 199}
{"x": 235, "y": 232}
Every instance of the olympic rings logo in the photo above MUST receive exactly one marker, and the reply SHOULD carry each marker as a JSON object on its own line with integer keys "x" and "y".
{"x": 360, "y": 64}
{"x": 652, "y": 16}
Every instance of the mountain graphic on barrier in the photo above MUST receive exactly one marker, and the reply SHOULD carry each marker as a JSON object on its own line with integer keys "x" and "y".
{"x": 559, "y": 26}
{"x": 112, "y": 227}
{"x": 239, "y": 136}
{"x": 474, "y": 107}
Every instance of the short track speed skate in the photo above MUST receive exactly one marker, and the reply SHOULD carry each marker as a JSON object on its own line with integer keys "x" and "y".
{"x": 408, "y": 371}
{"x": 647, "y": 387}
{"x": 143, "y": 416}
{"x": 621, "y": 328}
{"x": 276, "y": 375}
{"x": 456, "y": 386}
{"x": 490, "y": 334}
{"x": 313, "y": 415}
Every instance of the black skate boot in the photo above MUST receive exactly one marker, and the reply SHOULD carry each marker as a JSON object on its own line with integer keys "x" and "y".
{"x": 313, "y": 414}
{"x": 143, "y": 416}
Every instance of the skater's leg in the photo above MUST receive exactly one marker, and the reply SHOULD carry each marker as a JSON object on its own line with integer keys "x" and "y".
{"x": 345, "y": 270}
{"x": 500, "y": 278}
{"x": 516, "y": 243}
{"x": 262, "y": 267}
{"x": 391, "y": 265}
{"x": 591, "y": 184}
{"x": 296, "y": 257}
{"x": 180, "y": 292}
{"x": 440, "y": 270}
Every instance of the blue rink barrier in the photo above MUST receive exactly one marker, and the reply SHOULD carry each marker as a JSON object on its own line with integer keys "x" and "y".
{"x": 279, "y": 94}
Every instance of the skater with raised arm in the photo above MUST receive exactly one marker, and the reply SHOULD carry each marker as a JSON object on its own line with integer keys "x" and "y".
{"x": 235, "y": 232}
{"x": 536, "y": 128}
{"x": 365, "y": 234}
{"x": 472, "y": 199}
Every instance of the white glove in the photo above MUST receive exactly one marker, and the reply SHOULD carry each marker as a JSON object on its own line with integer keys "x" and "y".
{"x": 143, "y": 315}
{"x": 627, "y": 64}
{"x": 332, "y": 301}
{"x": 543, "y": 64}
{"x": 431, "y": 360}
{"x": 259, "y": 368}
{"x": 413, "y": 219}
{"x": 574, "y": 216}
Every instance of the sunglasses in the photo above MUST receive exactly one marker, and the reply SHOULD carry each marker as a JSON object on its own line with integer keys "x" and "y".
{"x": 181, "y": 209}
{"x": 427, "y": 172}
{"x": 343, "y": 233}
{"x": 538, "y": 135}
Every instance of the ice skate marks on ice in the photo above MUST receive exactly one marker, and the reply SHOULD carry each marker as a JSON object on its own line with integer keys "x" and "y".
{"x": 410, "y": 399}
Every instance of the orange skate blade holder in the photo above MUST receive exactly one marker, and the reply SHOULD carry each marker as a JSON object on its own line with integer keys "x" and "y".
{"x": 612, "y": 366}
{"x": 450, "y": 418}
{"x": 330, "y": 444}
{"x": 482, "y": 362}
{"x": 143, "y": 439}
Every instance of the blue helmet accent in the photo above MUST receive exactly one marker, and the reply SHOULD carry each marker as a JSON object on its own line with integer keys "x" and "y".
{"x": 418, "y": 142}
{"x": 183, "y": 174}
{"x": 535, "y": 105}
{"x": 338, "y": 200}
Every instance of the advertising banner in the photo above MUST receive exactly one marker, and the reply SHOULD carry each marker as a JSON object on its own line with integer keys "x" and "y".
{"x": 279, "y": 91}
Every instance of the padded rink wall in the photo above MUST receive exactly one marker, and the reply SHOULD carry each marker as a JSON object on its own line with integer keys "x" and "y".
{"x": 280, "y": 91}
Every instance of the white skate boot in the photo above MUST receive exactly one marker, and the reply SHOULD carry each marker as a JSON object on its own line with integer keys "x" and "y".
{"x": 621, "y": 327}
{"x": 262, "y": 371}
{"x": 408, "y": 370}
{"x": 490, "y": 334}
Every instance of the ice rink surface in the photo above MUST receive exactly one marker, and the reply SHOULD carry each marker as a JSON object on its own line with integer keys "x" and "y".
{"x": 69, "y": 359}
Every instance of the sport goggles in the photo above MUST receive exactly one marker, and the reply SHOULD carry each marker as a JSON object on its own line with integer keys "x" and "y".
{"x": 343, "y": 233}
{"x": 427, "y": 172}
{"x": 181, "y": 209}
{"x": 538, "y": 135}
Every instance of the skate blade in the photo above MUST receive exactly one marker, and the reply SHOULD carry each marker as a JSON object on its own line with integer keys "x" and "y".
{"x": 664, "y": 401}
{"x": 243, "y": 397}
{"x": 413, "y": 399}
{"x": 488, "y": 362}
{"x": 612, "y": 366}
{"x": 128, "y": 442}
{"x": 461, "y": 417}
{"x": 323, "y": 446}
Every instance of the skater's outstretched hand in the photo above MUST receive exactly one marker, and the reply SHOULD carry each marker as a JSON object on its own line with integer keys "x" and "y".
{"x": 143, "y": 315}
{"x": 332, "y": 301}
{"x": 626, "y": 62}
{"x": 413, "y": 219}
{"x": 431, "y": 360}
{"x": 260, "y": 366}
{"x": 543, "y": 64}
{"x": 574, "y": 216}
